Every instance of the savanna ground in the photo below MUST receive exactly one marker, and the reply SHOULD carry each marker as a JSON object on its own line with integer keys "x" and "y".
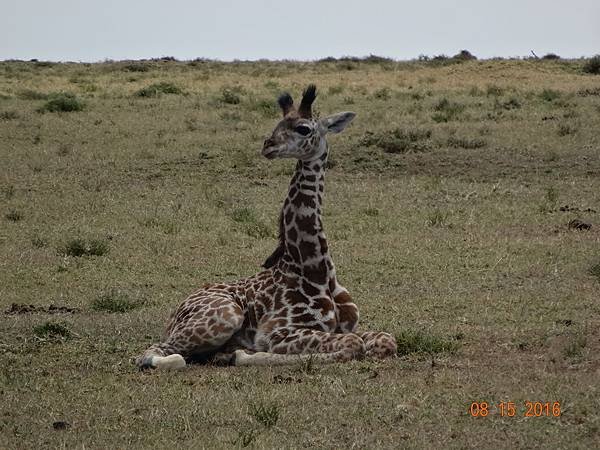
{"x": 447, "y": 207}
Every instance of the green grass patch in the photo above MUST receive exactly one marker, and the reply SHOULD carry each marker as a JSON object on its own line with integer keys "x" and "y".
{"x": 52, "y": 330}
{"x": 447, "y": 110}
{"x": 265, "y": 414}
{"x": 81, "y": 247}
{"x": 157, "y": 89}
{"x": 62, "y": 102}
{"x": 410, "y": 342}
{"x": 115, "y": 301}
{"x": 398, "y": 140}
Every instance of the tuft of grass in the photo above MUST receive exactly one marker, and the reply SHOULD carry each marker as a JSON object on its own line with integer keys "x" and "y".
{"x": 398, "y": 140}
{"x": 549, "y": 95}
{"x": 9, "y": 115}
{"x": 592, "y": 65}
{"x": 594, "y": 270}
{"x": 552, "y": 195}
{"x": 438, "y": 218}
{"x": 39, "y": 242}
{"x": 574, "y": 349}
{"x": 411, "y": 342}
{"x": 115, "y": 301}
{"x": 231, "y": 95}
{"x": 447, "y": 110}
{"x": 494, "y": 91}
{"x": 156, "y": 89}
{"x": 382, "y": 93}
{"x": 565, "y": 129}
{"x": 52, "y": 330}
{"x": 265, "y": 414}
{"x": 268, "y": 108}
{"x": 14, "y": 215}
{"x": 465, "y": 143}
{"x": 250, "y": 222}
{"x": 246, "y": 438}
{"x": 80, "y": 247}
{"x": 62, "y": 102}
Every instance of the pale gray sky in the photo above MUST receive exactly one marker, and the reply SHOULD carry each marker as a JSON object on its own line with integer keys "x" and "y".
{"x": 86, "y": 30}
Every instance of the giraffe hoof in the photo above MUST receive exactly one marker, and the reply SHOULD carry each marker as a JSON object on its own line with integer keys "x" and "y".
{"x": 171, "y": 362}
{"x": 240, "y": 357}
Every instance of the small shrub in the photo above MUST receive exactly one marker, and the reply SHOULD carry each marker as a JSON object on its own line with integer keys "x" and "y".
{"x": 52, "y": 330}
{"x": 592, "y": 65}
{"x": 267, "y": 415}
{"x": 382, "y": 94}
{"x": 447, "y": 110}
{"x": 39, "y": 242}
{"x": 565, "y": 129}
{"x": 594, "y": 270}
{"x": 465, "y": 143}
{"x": 574, "y": 349}
{"x": 398, "y": 140}
{"x": 9, "y": 115}
{"x": 438, "y": 219}
{"x": 80, "y": 247}
{"x": 231, "y": 96}
{"x": 552, "y": 195}
{"x": 511, "y": 103}
{"x": 14, "y": 215}
{"x": 493, "y": 90}
{"x": 410, "y": 342}
{"x": 62, "y": 102}
{"x": 115, "y": 301}
{"x": 156, "y": 89}
{"x": 245, "y": 437}
{"x": 549, "y": 95}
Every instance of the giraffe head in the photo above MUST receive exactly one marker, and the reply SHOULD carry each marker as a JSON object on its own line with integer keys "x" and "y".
{"x": 299, "y": 135}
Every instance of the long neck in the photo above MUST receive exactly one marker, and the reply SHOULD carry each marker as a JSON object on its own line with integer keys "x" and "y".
{"x": 304, "y": 244}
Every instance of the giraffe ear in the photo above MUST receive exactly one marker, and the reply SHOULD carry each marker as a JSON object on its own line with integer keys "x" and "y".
{"x": 337, "y": 122}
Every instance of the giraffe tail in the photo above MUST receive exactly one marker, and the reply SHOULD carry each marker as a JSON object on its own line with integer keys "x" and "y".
{"x": 161, "y": 356}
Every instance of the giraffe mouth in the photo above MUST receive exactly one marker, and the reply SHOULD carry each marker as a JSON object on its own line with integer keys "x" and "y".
{"x": 271, "y": 152}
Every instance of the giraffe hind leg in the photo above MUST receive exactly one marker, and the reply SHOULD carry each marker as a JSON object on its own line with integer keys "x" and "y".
{"x": 198, "y": 329}
{"x": 300, "y": 346}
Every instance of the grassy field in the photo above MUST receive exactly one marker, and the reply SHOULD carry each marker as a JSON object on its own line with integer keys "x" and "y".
{"x": 124, "y": 186}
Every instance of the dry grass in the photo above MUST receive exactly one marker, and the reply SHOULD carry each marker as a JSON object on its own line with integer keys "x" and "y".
{"x": 460, "y": 248}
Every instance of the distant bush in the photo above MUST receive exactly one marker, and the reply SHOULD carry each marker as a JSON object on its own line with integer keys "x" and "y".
{"x": 62, "y": 102}
{"x": 136, "y": 67}
{"x": 156, "y": 89}
{"x": 592, "y": 65}
{"x": 550, "y": 56}
{"x": 464, "y": 55}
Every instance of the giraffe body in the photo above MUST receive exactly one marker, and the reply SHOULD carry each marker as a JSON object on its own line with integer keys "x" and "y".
{"x": 295, "y": 308}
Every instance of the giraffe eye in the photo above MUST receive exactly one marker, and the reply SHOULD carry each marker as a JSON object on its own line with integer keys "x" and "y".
{"x": 302, "y": 129}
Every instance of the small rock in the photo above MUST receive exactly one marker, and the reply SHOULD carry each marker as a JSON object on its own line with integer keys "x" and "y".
{"x": 60, "y": 425}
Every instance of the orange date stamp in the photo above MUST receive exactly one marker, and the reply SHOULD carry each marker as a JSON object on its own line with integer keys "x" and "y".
{"x": 511, "y": 409}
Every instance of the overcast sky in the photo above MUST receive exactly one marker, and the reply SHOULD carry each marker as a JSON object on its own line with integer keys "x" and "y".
{"x": 86, "y": 30}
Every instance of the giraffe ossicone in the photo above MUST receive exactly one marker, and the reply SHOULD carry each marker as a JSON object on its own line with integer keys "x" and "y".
{"x": 295, "y": 309}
